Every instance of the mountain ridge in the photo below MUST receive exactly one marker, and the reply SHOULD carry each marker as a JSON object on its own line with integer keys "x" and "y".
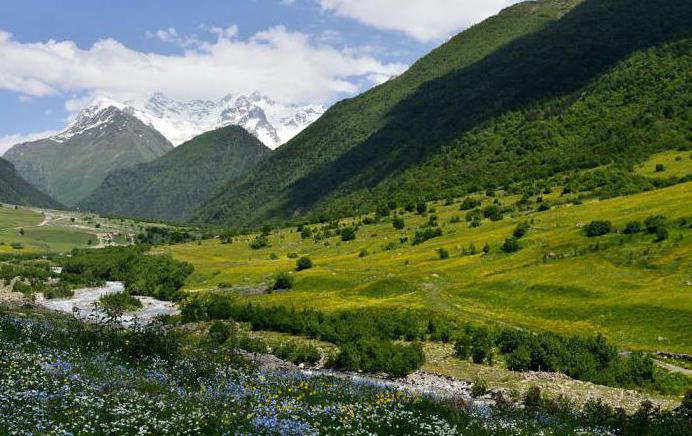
{"x": 15, "y": 190}
{"x": 417, "y": 136}
{"x": 71, "y": 164}
{"x": 172, "y": 186}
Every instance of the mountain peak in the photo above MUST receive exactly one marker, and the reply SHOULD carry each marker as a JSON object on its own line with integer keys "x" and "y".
{"x": 179, "y": 121}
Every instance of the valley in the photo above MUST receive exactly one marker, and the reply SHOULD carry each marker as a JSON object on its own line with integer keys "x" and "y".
{"x": 490, "y": 237}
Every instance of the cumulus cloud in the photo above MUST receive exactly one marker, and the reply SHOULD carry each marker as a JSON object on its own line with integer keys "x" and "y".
{"x": 424, "y": 20}
{"x": 6, "y": 142}
{"x": 289, "y": 66}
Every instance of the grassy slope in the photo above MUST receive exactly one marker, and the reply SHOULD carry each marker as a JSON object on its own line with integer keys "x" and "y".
{"x": 172, "y": 186}
{"x": 351, "y": 122}
{"x": 521, "y": 107}
{"x": 59, "y": 234}
{"x": 635, "y": 291}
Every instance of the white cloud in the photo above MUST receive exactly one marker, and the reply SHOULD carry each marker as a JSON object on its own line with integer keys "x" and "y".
{"x": 6, "y": 142}
{"x": 288, "y": 66}
{"x": 424, "y": 20}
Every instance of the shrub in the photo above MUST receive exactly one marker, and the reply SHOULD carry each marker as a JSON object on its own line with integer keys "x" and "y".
{"x": 532, "y": 397}
{"x": 469, "y": 203}
{"x": 543, "y": 207}
{"x": 493, "y": 212}
{"x": 653, "y": 223}
{"x": 486, "y": 248}
{"x": 426, "y": 234}
{"x": 283, "y": 281}
{"x": 298, "y": 353}
{"x": 661, "y": 234}
{"x": 421, "y": 208}
{"x": 632, "y": 228}
{"x": 292, "y": 255}
{"x": 363, "y": 253}
{"x": 660, "y": 168}
{"x": 398, "y": 223}
{"x": 119, "y": 302}
{"x": 306, "y": 233}
{"x": 598, "y": 228}
{"x": 348, "y": 234}
{"x": 260, "y": 241}
{"x": 303, "y": 263}
{"x": 479, "y": 388}
{"x": 511, "y": 245}
{"x": 442, "y": 253}
{"x": 219, "y": 332}
{"x": 521, "y": 230}
{"x": 519, "y": 359}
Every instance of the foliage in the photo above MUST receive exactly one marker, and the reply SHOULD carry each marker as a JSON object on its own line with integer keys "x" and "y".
{"x": 283, "y": 281}
{"x": 511, "y": 245}
{"x": 598, "y": 228}
{"x": 348, "y": 234}
{"x": 119, "y": 302}
{"x": 426, "y": 234}
{"x": 303, "y": 263}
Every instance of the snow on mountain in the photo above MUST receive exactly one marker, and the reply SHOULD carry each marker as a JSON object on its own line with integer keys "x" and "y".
{"x": 272, "y": 123}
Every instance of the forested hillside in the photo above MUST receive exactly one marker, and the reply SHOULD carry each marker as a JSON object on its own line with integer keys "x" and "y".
{"x": 542, "y": 88}
{"x": 180, "y": 181}
{"x": 15, "y": 190}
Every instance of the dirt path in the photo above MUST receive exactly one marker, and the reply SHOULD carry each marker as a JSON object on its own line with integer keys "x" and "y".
{"x": 673, "y": 368}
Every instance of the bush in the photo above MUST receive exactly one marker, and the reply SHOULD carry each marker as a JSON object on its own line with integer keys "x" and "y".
{"x": 660, "y": 168}
{"x": 283, "y": 281}
{"x": 442, "y": 253}
{"x": 493, "y": 212}
{"x": 363, "y": 253}
{"x": 479, "y": 388}
{"x": 348, "y": 234}
{"x": 598, "y": 228}
{"x": 306, "y": 233}
{"x": 521, "y": 230}
{"x": 297, "y": 353}
{"x": 654, "y": 223}
{"x": 303, "y": 263}
{"x": 421, "y": 208}
{"x": 544, "y": 207}
{"x": 260, "y": 241}
{"x": 119, "y": 302}
{"x": 661, "y": 234}
{"x": 632, "y": 228}
{"x": 532, "y": 397}
{"x": 219, "y": 332}
{"x": 519, "y": 359}
{"x": 426, "y": 234}
{"x": 376, "y": 356}
{"x": 511, "y": 245}
{"x": 398, "y": 223}
{"x": 469, "y": 203}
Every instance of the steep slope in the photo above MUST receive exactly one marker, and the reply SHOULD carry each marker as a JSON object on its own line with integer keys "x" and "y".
{"x": 15, "y": 190}
{"x": 543, "y": 87}
{"x": 172, "y": 186}
{"x": 72, "y": 164}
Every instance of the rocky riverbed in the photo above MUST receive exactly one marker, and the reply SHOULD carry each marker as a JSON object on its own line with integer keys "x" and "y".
{"x": 83, "y": 305}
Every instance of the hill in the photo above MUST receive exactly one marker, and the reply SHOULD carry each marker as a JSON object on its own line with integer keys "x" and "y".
{"x": 172, "y": 186}
{"x": 15, "y": 190}
{"x": 71, "y": 165}
{"x": 541, "y": 88}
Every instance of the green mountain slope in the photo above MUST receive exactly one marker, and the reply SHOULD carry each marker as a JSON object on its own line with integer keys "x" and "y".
{"x": 70, "y": 169}
{"x": 543, "y": 87}
{"x": 16, "y": 190}
{"x": 180, "y": 181}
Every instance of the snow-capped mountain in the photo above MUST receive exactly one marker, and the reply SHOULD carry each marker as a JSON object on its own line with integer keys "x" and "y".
{"x": 272, "y": 123}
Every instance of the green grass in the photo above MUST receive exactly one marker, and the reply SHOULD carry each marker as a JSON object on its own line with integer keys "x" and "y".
{"x": 11, "y": 218}
{"x": 675, "y": 163}
{"x": 633, "y": 290}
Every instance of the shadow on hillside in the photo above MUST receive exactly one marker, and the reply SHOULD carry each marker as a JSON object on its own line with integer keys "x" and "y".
{"x": 556, "y": 61}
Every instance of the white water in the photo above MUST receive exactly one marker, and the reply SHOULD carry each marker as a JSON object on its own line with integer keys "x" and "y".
{"x": 82, "y": 305}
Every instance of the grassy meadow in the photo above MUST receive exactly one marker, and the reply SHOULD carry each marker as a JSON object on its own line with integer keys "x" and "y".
{"x": 632, "y": 289}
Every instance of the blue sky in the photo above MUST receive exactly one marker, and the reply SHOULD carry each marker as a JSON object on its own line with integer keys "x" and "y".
{"x": 56, "y": 56}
